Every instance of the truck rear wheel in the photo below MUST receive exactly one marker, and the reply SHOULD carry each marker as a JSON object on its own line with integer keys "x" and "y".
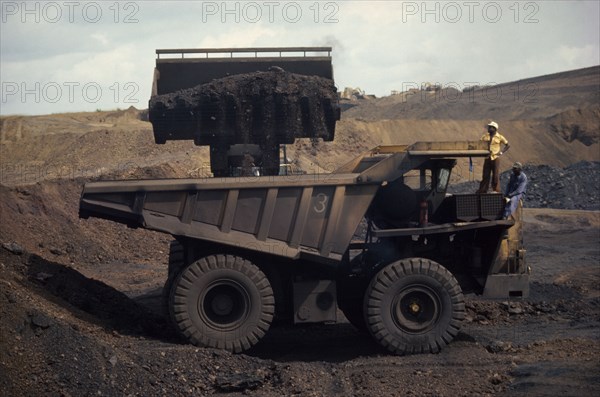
{"x": 222, "y": 301}
{"x": 414, "y": 306}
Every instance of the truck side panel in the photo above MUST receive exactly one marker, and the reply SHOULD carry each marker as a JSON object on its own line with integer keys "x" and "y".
{"x": 283, "y": 220}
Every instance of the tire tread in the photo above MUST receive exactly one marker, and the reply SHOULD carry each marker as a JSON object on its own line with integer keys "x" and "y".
{"x": 184, "y": 282}
{"x": 396, "y": 340}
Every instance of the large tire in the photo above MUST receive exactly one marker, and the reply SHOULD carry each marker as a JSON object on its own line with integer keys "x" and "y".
{"x": 222, "y": 301}
{"x": 176, "y": 263}
{"x": 414, "y": 306}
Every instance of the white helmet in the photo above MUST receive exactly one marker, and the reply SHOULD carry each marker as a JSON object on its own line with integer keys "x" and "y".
{"x": 493, "y": 124}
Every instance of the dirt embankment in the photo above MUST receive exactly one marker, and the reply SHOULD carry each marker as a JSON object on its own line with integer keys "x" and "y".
{"x": 558, "y": 127}
{"x": 43, "y": 219}
{"x": 535, "y": 98}
{"x": 552, "y": 120}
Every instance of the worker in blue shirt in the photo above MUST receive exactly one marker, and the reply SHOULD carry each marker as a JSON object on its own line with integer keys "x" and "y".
{"x": 515, "y": 190}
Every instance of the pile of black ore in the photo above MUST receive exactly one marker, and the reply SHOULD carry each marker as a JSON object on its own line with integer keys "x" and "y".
{"x": 265, "y": 108}
{"x": 574, "y": 187}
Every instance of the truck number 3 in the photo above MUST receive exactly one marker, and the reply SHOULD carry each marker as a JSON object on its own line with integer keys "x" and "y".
{"x": 321, "y": 203}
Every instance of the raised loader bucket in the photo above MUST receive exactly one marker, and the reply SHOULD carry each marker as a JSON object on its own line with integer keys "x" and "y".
{"x": 248, "y": 96}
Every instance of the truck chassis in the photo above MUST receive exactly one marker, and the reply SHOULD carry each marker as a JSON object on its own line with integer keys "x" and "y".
{"x": 248, "y": 250}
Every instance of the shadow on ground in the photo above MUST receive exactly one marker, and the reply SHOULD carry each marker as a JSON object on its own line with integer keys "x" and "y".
{"x": 107, "y": 307}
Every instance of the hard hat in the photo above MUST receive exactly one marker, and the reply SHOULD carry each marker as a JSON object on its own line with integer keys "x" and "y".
{"x": 493, "y": 124}
{"x": 518, "y": 165}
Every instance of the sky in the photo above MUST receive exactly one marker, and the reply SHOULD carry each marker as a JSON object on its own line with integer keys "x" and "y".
{"x": 69, "y": 56}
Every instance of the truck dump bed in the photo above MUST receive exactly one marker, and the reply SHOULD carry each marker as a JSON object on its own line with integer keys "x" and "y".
{"x": 276, "y": 215}
{"x": 281, "y": 215}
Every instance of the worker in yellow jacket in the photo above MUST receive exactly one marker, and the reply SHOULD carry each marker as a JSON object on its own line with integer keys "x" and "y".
{"x": 491, "y": 164}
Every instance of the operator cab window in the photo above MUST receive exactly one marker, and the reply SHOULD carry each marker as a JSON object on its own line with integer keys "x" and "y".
{"x": 419, "y": 180}
{"x": 442, "y": 179}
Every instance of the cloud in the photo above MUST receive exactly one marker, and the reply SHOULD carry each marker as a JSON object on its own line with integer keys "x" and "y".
{"x": 573, "y": 57}
{"x": 365, "y": 14}
{"x": 117, "y": 77}
{"x": 237, "y": 37}
{"x": 101, "y": 38}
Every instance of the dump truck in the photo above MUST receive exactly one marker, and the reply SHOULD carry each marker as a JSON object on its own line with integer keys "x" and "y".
{"x": 249, "y": 249}
{"x": 379, "y": 238}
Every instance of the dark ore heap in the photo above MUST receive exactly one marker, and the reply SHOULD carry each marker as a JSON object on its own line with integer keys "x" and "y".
{"x": 574, "y": 187}
{"x": 264, "y": 108}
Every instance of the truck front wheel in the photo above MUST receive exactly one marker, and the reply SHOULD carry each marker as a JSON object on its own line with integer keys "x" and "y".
{"x": 222, "y": 301}
{"x": 414, "y": 306}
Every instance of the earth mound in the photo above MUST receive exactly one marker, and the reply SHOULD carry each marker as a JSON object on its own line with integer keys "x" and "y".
{"x": 577, "y": 124}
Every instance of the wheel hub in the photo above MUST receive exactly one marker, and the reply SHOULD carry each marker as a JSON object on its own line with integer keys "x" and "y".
{"x": 224, "y": 306}
{"x": 416, "y": 309}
